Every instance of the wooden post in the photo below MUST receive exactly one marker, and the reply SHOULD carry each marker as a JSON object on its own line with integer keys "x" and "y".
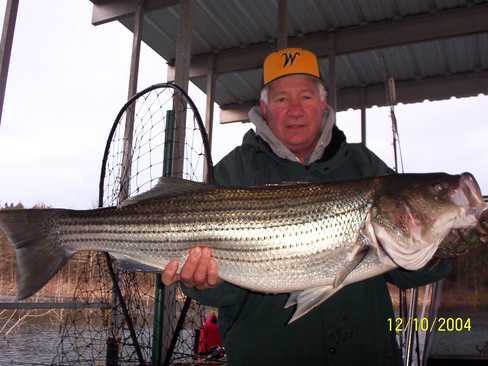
{"x": 411, "y": 330}
{"x": 129, "y": 122}
{"x": 164, "y": 296}
{"x": 209, "y": 110}
{"x": 363, "y": 116}
{"x": 182, "y": 68}
{"x": 282, "y": 40}
{"x": 6, "y": 46}
{"x": 332, "y": 88}
{"x": 125, "y": 183}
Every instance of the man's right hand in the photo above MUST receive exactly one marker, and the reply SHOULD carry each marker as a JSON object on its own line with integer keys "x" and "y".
{"x": 199, "y": 270}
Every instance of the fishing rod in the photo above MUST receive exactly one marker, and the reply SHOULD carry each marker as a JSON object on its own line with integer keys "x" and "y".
{"x": 391, "y": 99}
{"x": 406, "y": 311}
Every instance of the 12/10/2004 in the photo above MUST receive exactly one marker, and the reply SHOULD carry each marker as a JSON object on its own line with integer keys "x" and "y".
{"x": 439, "y": 324}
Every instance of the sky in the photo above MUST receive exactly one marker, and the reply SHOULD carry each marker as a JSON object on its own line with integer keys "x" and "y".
{"x": 68, "y": 79}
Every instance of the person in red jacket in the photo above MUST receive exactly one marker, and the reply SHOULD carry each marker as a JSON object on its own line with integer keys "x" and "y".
{"x": 209, "y": 336}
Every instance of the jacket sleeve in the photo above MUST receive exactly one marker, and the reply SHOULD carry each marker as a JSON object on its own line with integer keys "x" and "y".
{"x": 225, "y": 294}
{"x": 409, "y": 279}
{"x": 365, "y": 163}
{"x": 226, "y": 173}
{"x": 377, "y": 166}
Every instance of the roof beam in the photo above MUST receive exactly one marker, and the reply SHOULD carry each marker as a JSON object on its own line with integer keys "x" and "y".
{"x": 412, "y": 29}
{"x": 415, "y": 91}
{"x": 105, "y": 11}
{"x": 408, "y": 91}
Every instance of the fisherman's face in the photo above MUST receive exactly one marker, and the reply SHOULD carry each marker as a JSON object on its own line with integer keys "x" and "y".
{"x": 294, "y": 113}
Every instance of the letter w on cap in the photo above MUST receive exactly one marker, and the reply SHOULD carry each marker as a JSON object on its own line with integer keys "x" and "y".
{"x": 289, "y": 58}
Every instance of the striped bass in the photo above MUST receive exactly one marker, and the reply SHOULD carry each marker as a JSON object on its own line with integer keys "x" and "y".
{"x": 309, "y": 240}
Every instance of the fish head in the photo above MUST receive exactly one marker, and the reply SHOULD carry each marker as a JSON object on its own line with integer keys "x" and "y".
{"x": 413, "y": 213}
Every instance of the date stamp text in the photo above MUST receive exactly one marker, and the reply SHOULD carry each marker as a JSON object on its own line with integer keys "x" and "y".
{"x": 439, "y": 324}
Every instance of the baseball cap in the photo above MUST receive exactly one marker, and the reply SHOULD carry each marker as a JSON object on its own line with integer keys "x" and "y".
{"x": 289, "y": 61}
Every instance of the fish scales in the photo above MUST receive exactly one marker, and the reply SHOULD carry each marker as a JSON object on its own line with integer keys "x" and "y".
{"x": 235, "y": 233}
{"x": 244, "y": 237}
{"x": 273, "y": 218}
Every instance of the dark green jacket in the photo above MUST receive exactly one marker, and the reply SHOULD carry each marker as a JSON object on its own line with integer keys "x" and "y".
{"x": 351, "y": 327}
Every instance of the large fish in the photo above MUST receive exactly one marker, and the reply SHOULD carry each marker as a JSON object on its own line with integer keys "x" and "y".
{"x": 309, "y": 240}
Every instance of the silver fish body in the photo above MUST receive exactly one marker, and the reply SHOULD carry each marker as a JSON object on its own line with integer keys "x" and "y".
{"x": 309, "y": 239}
{"x": 274, "y": 239}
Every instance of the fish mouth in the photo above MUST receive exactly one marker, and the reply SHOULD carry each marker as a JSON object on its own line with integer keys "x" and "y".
{"x": 469, "y": 195}
{"x": 484, "y": 216}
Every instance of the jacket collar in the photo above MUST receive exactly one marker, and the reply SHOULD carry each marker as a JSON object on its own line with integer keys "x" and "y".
{"x": 263, "y": 131}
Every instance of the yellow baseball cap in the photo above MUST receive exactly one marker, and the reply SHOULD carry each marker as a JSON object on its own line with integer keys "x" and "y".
{"x": 289, "y": 61}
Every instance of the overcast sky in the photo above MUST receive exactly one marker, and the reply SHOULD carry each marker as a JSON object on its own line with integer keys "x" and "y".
{"x": 68, "y": 79}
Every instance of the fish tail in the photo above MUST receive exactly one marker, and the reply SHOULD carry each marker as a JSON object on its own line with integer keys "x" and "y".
{"x": 38, "y": 254}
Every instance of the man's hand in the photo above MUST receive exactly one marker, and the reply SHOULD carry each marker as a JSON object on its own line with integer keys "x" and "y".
{"x": 199, "y": 270}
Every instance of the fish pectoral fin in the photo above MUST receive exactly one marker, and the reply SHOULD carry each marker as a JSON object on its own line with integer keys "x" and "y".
{"x": 358, "y": 253}
{"x": 169, "y": 186}
{"x": 292, "y": 299}
{"x": 309, "y": 299}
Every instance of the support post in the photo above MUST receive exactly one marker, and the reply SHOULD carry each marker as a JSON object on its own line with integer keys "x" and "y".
{"x": 125, "y": 175}
{"x": 363, "y": 116}
{"x": 129, "y": 122}
{"x": 182, "y": 67}
{"x": 434, "y": 306}
{"x": 332, "y": 87}
{"x": 209, "y": 111}
{"x": 412, "y": 314}
{"x": 282, "y": 41}
{"x": 112, "y": 357}
{"x": 159, "y": 345}
{"x": 6, "y": 46}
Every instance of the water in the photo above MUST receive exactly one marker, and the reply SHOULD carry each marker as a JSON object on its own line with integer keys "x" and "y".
{"x": 29, "y": 345}
{"x": 29, "y": 337}
{"x": 43, "y": 342}
{"x": 39, "y": 343}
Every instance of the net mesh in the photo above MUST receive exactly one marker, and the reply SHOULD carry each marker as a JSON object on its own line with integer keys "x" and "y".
{"x": 101, "y": 335}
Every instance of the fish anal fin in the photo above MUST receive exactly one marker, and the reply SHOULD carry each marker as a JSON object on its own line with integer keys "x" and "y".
{"x": 309, "y": 299}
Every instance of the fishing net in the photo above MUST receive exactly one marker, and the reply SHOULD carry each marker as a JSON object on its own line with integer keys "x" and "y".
{"x": 158, "y": 132}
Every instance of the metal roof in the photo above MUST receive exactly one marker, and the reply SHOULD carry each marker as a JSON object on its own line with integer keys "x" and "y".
{"x": 434, "y": 49}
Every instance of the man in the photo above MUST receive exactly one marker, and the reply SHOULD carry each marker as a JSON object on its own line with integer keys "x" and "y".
{"x": 296, "y": 140}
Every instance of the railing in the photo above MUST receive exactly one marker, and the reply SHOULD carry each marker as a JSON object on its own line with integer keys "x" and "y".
{"x": 53, "y": 305}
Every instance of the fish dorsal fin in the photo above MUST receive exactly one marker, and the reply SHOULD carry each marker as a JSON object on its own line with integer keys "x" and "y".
{"x": 287, "y": 183}
{"x": 169, "y": 186}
